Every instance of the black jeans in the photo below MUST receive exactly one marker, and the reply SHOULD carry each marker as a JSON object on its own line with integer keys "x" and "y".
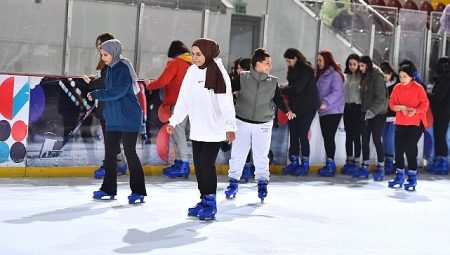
{"x": 373, "y": 127}
{"x": 406, "y": 139}
{"x": 440, "y": 127}
{"x": 298, "y": 130}
{"x": 137, "y": 180}
{"x": 205, "y": 155}
{"x": 329, "y": 125}
{"x": 353, "y": 126}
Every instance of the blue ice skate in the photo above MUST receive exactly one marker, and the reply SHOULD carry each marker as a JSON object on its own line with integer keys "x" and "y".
{"x": 441, "y": 167}
{"x": 100, "y": 194}
{"x": 232, "y": 189}
{"x": 349, "y": 167}
{"x": 328, "y": 170}
{"x": 121, "y": 168}
{"x": 303, "y": 169}
{"x": 431, "y": 166}
{"x": 262, "y": 189}
{"x": 363, "y": 171}
{"x": 135, "y": 198}
{"x": 172, "y": 168}
{"x": 246, "y": 172}
{"x": 388, "y": 166}
{"x": 411, "y": 182}
{"x": 208, "y": 212}
{"x": 182, "y": 170}
{"x": 290, "y": 169}
{"x": 193, "y": 211}
{"x": 399, "y": 179}
{"x": 100, "y": 172}
{"x": 379, "y": 173}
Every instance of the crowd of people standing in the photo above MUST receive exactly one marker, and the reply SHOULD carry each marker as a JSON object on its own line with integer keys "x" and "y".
{"x": 375, "y": 103}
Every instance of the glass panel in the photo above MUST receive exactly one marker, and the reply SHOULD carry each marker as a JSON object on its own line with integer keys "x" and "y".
{"x": 160, "y": 27}
{"x": 362, "y": 20}
{"x": 89, "y": 21}
{"x": 384, "y": 33}
{"x": 345, "y": 29}
{"x": 290, "y": 25}
{"x": 438, "y": 21}
{"x": 32, "y": 41}
{"x": 219, "y": 26}
{"x": 413, "y": 26}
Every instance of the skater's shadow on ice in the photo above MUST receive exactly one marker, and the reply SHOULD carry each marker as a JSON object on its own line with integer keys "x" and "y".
{"x": 177, "y": 235}
{"x": 65, "y": 214}
{"x": 181, "y": 234}
{"x": 408, "y": 196}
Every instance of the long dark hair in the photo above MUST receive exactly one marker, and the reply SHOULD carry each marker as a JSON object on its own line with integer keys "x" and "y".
{"x": 369, "y": 69}
{"x": 292, "y": 53}
{"x": 329, "y": 61}
{"x": 443, "y": 66}
{"x": 102, "y": 38}
{"x": 176, "y": 48}
{"x": 387, "y": 68}
{"x": 351, "y": 57}
{"x": 235, "y": 67}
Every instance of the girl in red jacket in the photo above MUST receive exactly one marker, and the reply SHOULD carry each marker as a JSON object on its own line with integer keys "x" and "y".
{"x": 171, "y": 79}
{"x": 410, "y": 102}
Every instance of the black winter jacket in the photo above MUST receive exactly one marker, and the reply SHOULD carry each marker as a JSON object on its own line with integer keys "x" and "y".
{"x": 302, "y": 90}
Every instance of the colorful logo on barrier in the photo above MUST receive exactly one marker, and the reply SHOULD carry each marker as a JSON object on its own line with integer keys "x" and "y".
{"x": 10, "y": 106}
{"x": 13, "y": 121}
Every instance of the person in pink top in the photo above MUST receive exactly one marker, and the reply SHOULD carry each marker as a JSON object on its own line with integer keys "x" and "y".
{"x": 409, "y": 101}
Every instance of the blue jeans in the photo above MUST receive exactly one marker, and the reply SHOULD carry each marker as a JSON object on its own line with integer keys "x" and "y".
{"x": 388, "y": 139}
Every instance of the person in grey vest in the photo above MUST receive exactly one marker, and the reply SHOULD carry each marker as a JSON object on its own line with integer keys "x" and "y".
{"x": 257, "y": 93}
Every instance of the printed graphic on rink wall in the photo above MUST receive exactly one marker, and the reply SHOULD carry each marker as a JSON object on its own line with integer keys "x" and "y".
{"x": 48, "y": 121}
{"x": 14, "y": 103}
{"x": 65, "y": 127}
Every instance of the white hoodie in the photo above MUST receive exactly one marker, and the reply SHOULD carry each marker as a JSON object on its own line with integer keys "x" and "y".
{"x": 210, "y": 115}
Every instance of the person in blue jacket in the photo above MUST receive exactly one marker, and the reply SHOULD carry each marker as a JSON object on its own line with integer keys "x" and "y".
{"x": 123, "y": 117}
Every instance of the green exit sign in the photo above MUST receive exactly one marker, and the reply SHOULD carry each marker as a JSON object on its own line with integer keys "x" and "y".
{"x": 241, "y": 7}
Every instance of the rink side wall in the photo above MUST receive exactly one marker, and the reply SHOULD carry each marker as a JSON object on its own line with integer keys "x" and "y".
{"x": 39, "y": 113}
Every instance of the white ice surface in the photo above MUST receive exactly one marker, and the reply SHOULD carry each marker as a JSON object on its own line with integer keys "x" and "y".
{"x": 308, "y": 215}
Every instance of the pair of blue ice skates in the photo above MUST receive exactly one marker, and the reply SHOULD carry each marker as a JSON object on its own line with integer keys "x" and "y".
{"x": 233, "y": 188}
{"x": 134, "y": 198}
{"x": 329, "y": 170}
{"x": 100, "y": 172}
{"x": 399, "y": 180}
{"x": 364, "y": 171}
{"x": 295, "y": 168}
{"x": 178, "y": 169}
{"x": 438, "y": 167}
{"x": 350, "y": 167}
{"x": 206, "y": 209}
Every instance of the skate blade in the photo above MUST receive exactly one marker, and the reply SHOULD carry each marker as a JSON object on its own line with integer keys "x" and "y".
{"x": 209, "y": 219}
{"x": 136, "y": 202}
{"x": 396, "y": 186}
{"x": 104, "y": 199}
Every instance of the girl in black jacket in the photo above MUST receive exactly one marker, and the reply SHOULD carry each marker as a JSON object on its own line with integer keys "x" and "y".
{"x": 440, "y": 107}
{"x": 303, "y": 101}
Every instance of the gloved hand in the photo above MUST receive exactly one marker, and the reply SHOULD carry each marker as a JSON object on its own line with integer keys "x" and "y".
{"x": 369, "y": 115}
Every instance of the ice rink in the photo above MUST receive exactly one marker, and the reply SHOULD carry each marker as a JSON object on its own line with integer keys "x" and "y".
{"x": 306, "y": 215}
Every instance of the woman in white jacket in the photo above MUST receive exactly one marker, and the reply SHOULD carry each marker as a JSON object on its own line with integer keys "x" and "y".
{"x": 205, "y": 96}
